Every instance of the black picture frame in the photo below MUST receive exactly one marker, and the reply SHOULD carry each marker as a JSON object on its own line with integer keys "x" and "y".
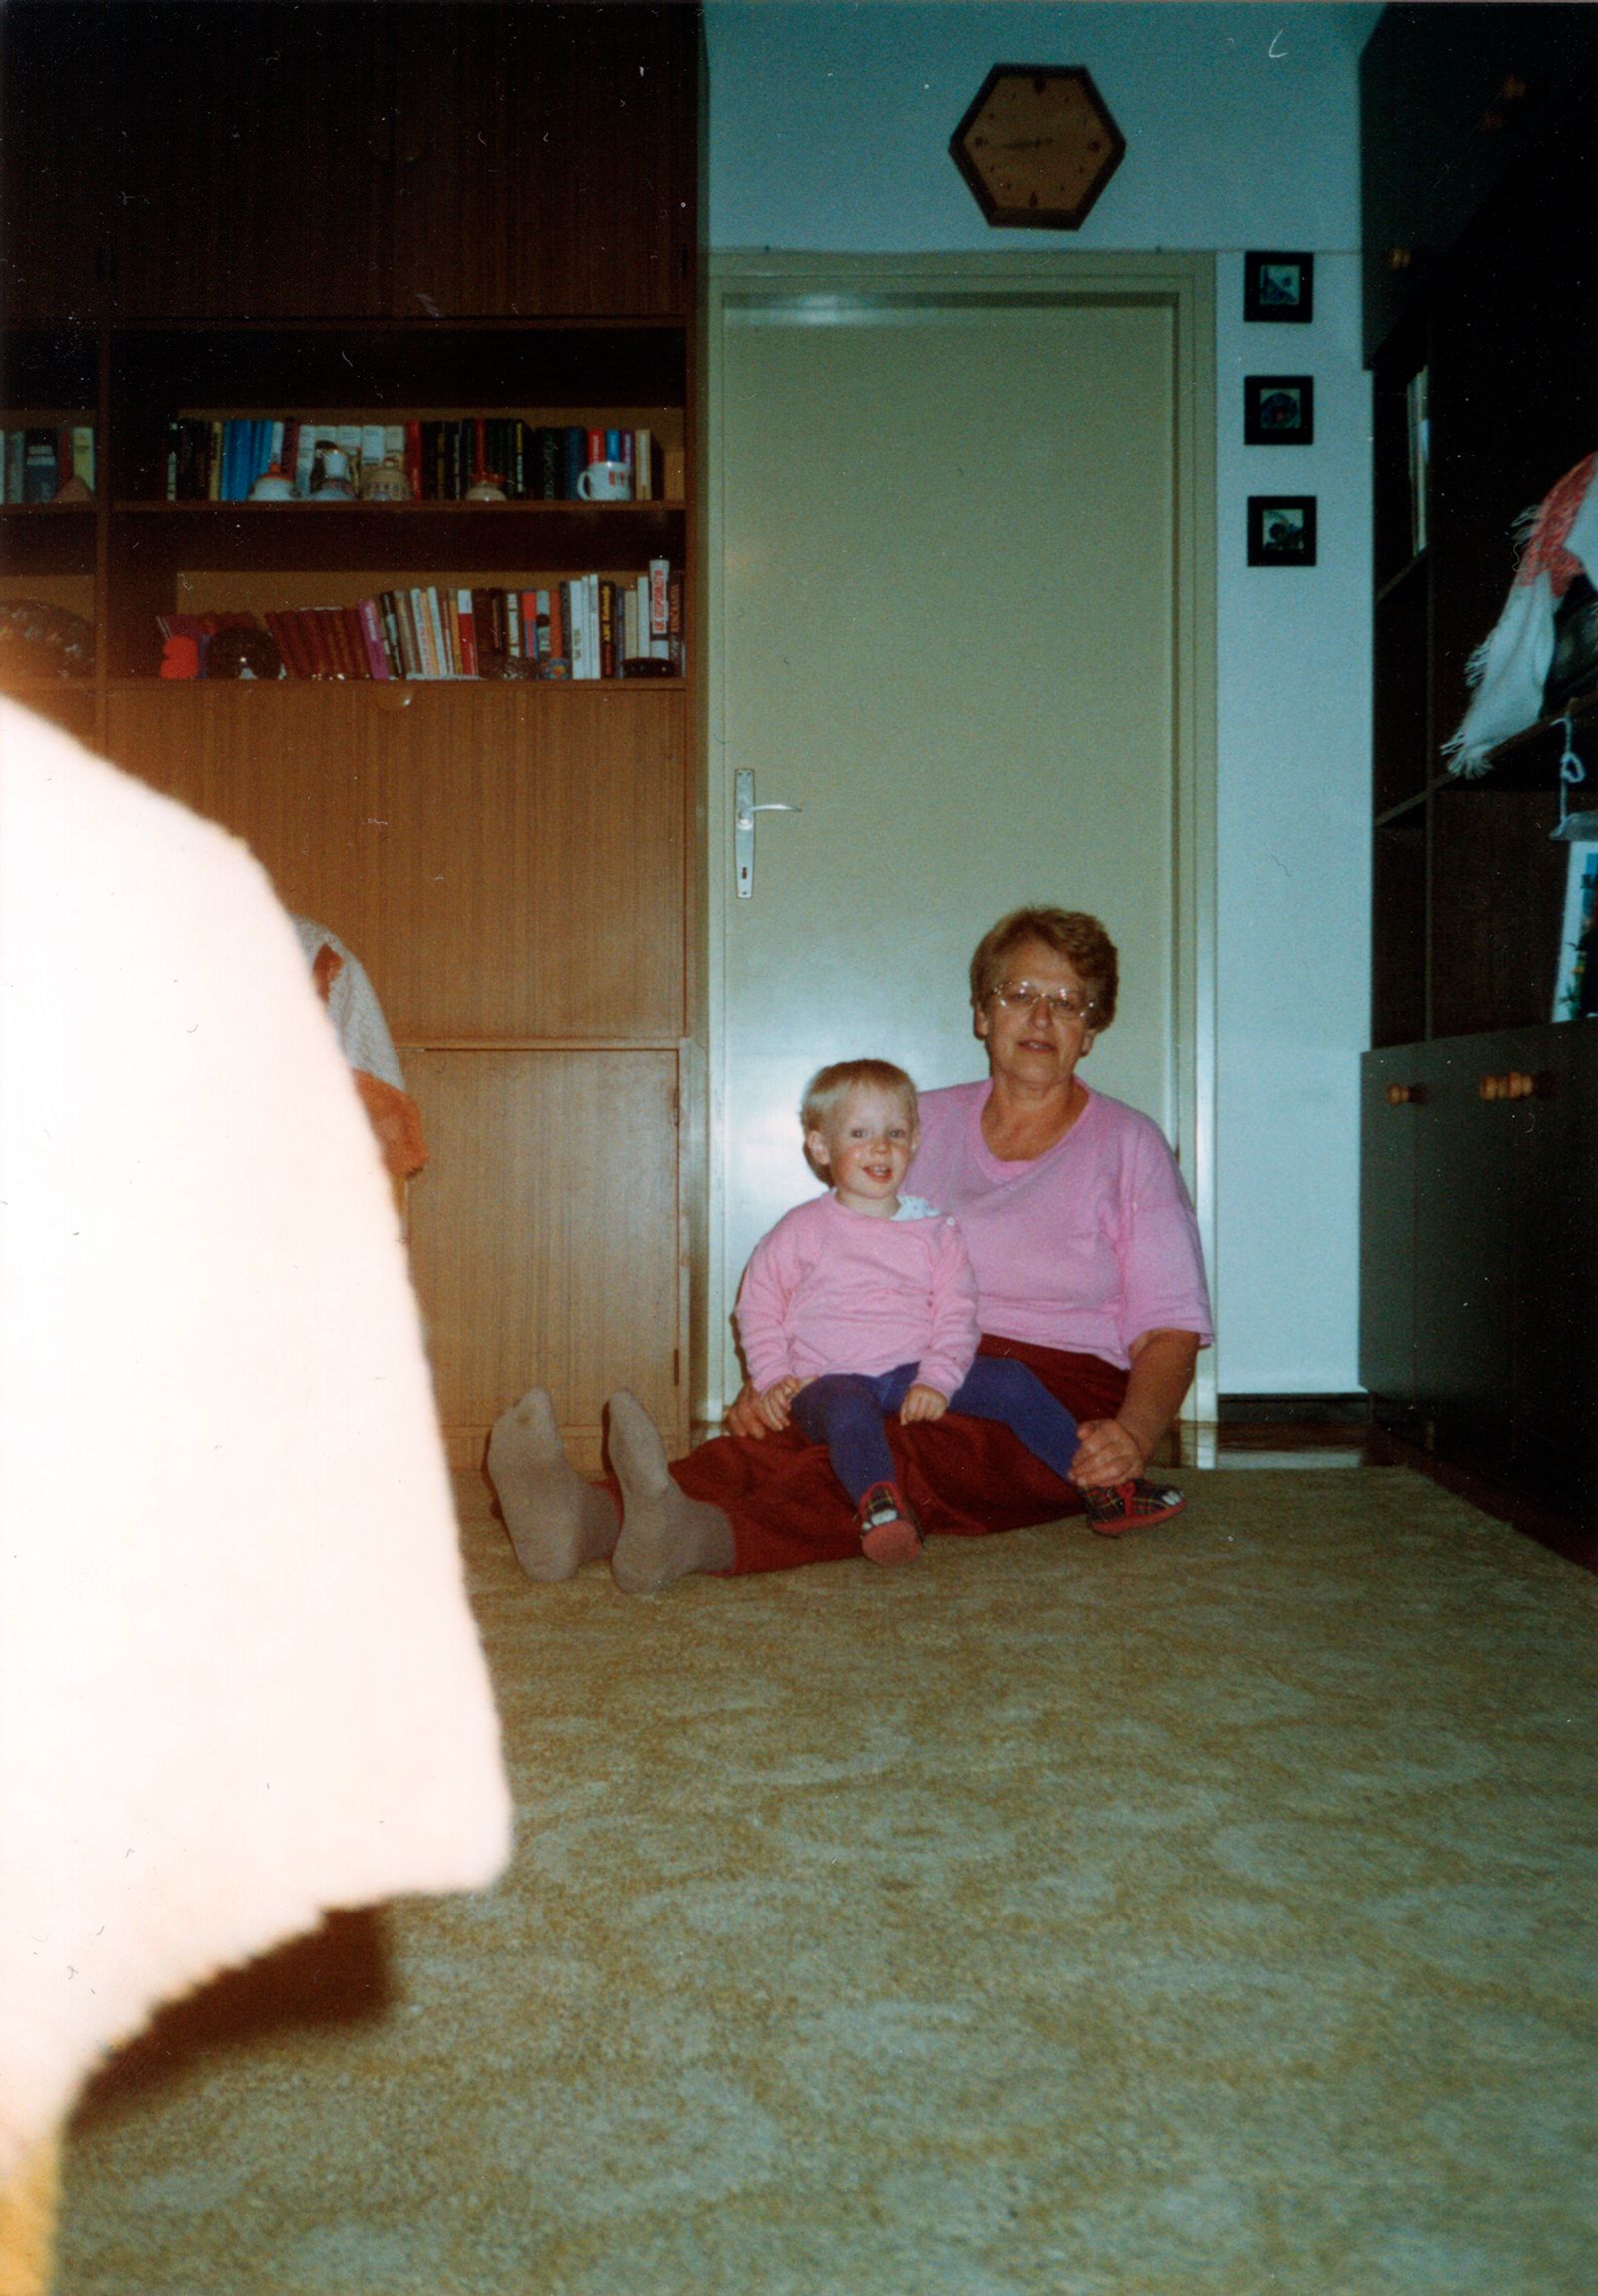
{"x": 1282, "y": 530}
{"x": 1280, "y": 286}
{"x": 1278, "y": 411}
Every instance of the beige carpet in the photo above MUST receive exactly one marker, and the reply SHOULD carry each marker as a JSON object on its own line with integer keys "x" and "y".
{"x": 1212, "y": 1910}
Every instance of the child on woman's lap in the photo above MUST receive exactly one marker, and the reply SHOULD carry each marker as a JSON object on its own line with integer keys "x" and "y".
{"x": 862, "y": 1302}
{"x": 856, "y": 1304}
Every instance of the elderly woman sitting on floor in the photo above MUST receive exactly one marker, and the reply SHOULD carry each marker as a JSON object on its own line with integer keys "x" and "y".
{"x": 1088, "y": 1268}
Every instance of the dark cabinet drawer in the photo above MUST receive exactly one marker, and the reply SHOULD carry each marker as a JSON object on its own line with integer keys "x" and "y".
{"x": 1479, "y": 1251}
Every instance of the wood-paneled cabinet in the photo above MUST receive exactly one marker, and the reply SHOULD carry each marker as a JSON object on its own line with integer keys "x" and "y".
{"x": 1479, "y": 1318}
{"x": 465, "y": 156}
{"x": 544, "y": 159}
{"x": 389, "y": 215}
{"x": 1479, "y": 1260}
{"x": 1449, "y": 106}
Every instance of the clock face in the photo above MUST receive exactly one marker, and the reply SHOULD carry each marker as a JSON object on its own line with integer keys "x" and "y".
{"x": 1036, "y": 146}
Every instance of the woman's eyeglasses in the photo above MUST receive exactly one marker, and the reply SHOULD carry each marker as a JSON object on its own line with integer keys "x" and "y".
{"x": 1062, "y": 1004}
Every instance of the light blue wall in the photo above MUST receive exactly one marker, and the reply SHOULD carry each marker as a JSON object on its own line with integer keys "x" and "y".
{"x": 829, "y": 126}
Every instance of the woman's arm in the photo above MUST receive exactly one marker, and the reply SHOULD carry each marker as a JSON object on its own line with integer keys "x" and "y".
{"x": 1113, "y": 1450}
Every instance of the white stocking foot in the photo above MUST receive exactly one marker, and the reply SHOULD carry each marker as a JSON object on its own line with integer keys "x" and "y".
{"x": 556, "y": 1521}
{"x": 664, "y": 1534}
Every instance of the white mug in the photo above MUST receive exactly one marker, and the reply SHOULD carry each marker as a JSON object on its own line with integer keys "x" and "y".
{"x": 606, "y": 482}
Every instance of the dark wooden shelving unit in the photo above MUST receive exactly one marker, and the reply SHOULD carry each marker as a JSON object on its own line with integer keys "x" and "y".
{"x": 1479, "y": 1310}
{"x": 403, "y": 210}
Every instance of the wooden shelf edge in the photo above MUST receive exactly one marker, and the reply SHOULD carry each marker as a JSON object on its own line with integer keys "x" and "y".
{"x": 380, "y": 323}
{"x": 385, "y": 686}
{"x": 1392, "y": 813}
{"x": 347, "y": 512}
{"x": 1384, "y": 591}
{"x": 430, "y": 1043}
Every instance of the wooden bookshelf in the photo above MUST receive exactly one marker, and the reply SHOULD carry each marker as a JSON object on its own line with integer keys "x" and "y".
{"x": 1480, "y": 1221}
{"x": 405, "y": 212}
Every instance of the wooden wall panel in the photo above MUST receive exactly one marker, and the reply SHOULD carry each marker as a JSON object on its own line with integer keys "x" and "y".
{"x": 505, "y": 864}
{"x": 544, "y": 159}
{"x": 52, "y": 219}
{"x": 247, "y": 171}
{"x": 530, "y": 870}
{"x": 544, "y": 1233}
{"x": 288, "y": 768}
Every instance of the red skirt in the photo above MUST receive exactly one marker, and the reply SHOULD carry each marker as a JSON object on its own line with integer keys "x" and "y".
{"x": 963, "y": 1477}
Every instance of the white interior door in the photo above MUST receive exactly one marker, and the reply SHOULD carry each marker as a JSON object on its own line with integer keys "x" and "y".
{"x": 944, "y": 624}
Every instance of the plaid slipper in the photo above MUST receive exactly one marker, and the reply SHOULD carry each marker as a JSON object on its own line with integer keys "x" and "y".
{"x": 889, "y": 1532}
{"x": 1116, "y": 1507}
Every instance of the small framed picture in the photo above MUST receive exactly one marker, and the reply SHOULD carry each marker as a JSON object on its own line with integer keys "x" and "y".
{"x": 1278, "y": 411}
{"x": 1277, "y": 285}
{"x": 1282, "y": 530}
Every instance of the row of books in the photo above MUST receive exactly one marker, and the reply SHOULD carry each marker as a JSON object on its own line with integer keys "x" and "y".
{"x": 220, "y": 461}
{"x": 592, "y": 626}
{"x": 39, "y": 462}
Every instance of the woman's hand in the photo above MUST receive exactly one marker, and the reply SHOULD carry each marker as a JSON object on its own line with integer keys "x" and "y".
{"x": 773, "y": 1405}
{"x": 922, "y": 1403}
{"x": 744, "y": 1416}
{"x": 769, "y": 1410}
{"x": 1106, "y": 1453}
{"x": 1116, "y": 1450}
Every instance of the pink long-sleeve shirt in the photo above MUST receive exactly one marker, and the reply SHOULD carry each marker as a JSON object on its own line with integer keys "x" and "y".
{"x": 835, "y": 1291}
{"x": 1085, "y": 1248}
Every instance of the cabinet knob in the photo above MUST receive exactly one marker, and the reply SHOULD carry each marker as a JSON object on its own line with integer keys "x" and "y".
{"x": 390, "y": 697}
{"x": 1406, "y": 1096}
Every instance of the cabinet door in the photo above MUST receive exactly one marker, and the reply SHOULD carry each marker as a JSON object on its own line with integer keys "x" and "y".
{"x": 545, "y": 1236}
{"x": 508, "y": 866}
{"x": 1556, "y": 1268}
{"x": 284, "y": 767}
{"x": 246, "y": 173}
{"x": 1387, "y": 1223}
{"x": 544, "y": 159}
{"x": 506, "y": 862}
{"x": 1465, "y": 1256}
{"x": 529, "y": 863}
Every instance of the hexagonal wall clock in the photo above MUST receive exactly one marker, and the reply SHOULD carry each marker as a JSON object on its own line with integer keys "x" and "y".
{"x": 1036, "y": 146}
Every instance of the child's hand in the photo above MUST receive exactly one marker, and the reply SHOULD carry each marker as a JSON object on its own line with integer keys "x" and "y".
{"x": 922, "y": 1403}
{"x": 773, "y": 1407}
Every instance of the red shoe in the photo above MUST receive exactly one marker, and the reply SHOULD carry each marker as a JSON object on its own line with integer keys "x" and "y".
{"x": 889, "y": 1532}
{"x": 1131, "y": 1506}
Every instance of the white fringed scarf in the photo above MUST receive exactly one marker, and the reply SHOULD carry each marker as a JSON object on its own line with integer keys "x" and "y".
{"x": 1510, "y": 669}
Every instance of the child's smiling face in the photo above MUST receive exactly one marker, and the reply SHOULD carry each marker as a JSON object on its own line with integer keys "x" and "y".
{"x": 866, "y": 1149}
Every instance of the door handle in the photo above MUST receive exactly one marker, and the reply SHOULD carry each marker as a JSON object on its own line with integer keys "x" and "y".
{"x": 744, "y": 810}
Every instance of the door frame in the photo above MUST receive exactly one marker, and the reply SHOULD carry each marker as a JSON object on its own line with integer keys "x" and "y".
{"x": 1183, "y": 282}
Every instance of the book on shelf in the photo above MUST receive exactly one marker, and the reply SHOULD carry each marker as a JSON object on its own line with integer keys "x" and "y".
{"x": 29, "y": 456}
{"x": 1417, "y": 423}
{"x": 466, "y": 624}
{"x": 371, "y": 638}
{"x": 590, "y": 627}
{"x": 41, "y": 465}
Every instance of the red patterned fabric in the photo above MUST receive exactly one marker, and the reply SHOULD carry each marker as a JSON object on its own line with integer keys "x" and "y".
{"x": 963, "y": 1477}
{"x": 1545, "y": 552}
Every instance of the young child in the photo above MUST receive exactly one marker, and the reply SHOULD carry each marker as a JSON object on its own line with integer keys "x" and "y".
{"x": 863, "y": 1302}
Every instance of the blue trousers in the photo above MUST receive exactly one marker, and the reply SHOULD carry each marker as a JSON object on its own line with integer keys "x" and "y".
{"x": 845, "y": 1410}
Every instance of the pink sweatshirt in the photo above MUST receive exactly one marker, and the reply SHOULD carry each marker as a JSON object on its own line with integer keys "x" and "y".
{"x": 1085, "y": 1248}
{"x": 836, "y": 1290}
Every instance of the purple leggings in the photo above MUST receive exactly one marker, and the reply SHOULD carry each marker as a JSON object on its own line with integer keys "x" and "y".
{"x": 845, "y": 1410}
